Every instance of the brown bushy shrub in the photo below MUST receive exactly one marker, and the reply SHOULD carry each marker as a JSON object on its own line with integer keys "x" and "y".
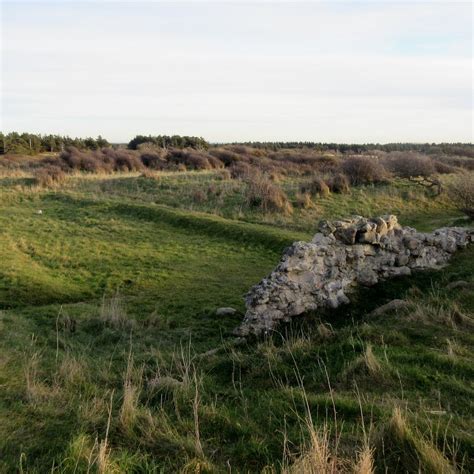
{"x": 409, "y": 165}
{"x": 226, "y": 156}
{"x": 461, "y": 191}
{"x": 316, "y": 187}
{"x": 154, "y": 161}
{"x": 327, "y": 164}
{"x": 49, "y": 176}
{"x": 84, "y": 161}
{"x": 261, "y": 192}
{"x": 223, "y": 174}
{"x": 275, "y": 176}
{"x": 242, "y": 149}
{"x": 240, "y": 170}
{"x": 363, "y": 170}
{"x": 104, "y": 160}
{"x": 339, "y": 183}
{"x": 443, "y": 168}
{"x": 122, "y": 160}
{"x": 459, "y": 162}
{"x": 194, "y": 159}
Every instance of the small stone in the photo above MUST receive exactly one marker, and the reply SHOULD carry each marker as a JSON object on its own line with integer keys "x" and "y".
{"x": 209, "y": 353}
{"x": 368, "y": 237}
{"x": 382, "y": 227}
{"x": 164, "y": 383}
{"x": 394, "y": 305}
{"x": 402, "y": 259}
{"x": 367, "y": 277}
{"x": 346, "y": 235}
{"x": 457, "y": 284}
{"x": 326, "y": 228}
{"x": 412, "y": 244}
{"x": 225, "y": 311}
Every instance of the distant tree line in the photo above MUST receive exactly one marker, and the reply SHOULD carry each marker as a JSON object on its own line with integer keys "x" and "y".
{"x": 460, "y": 149}
{"x": 32, "y": 144}
{"x": 166, "y": 141}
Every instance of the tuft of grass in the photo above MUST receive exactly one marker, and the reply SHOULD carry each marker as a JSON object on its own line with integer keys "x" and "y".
{"x": 113, "y": 312}
{"x": 365, "y": 461}
{"x": 317, "y": 457}
{"x": 401, "y": 449}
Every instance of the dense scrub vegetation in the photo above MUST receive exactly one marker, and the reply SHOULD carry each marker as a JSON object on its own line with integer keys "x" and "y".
{"x": 112, "y": 356}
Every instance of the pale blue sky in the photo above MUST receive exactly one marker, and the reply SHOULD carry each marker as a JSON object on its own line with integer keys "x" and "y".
{"x": 233, "y": 71}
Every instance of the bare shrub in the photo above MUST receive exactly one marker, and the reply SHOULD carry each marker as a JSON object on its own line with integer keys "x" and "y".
{"x": 316, "y": 187}
{"x": 339, "y": 183}
{"x": 363, "y": 170}
{"x": 409, "y": 164}
{"x": 461, "y": 191}
{"x": 261, "y": 192}
{"x": 49, "y": 176}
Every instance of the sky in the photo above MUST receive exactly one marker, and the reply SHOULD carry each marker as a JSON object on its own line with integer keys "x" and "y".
{"x": 353, "y": 72}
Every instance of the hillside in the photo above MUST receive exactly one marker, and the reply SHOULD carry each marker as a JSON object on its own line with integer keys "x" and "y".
{"x": 113, "y": 358}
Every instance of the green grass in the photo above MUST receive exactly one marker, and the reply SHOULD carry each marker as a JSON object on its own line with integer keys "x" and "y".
{"x": 205, "y": 191}
{"x": 173, "y": 262}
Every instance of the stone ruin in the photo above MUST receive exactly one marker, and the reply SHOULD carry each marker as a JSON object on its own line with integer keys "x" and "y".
{"x": 343, "y": 254}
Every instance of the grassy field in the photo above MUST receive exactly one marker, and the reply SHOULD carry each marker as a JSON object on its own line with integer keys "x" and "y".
{"x": 112, "y": 358}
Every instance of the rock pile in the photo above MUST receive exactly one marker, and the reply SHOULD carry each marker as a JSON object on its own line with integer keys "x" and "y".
{"x": 344, "y": 253}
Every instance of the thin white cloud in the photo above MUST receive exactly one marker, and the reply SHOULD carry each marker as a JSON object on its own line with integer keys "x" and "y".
{"x": 345, "y": 72}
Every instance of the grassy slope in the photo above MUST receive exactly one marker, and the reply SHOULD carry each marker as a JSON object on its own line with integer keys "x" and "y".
{"x": 203, "y": 192}
{"x": 173, "y": 269}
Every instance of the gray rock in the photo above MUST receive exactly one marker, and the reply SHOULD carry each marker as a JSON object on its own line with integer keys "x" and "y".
{"x": 346, "y": 235}
{"x": 343, "y": 254}
{"x": 394, "y": 305}
{"x": 457, "y": 284}
{"x": 225, "y": 311}
{"x": 165, "y": 382}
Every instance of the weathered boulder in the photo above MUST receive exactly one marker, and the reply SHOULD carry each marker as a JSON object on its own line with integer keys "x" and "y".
{"x": 344, "y": 253}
